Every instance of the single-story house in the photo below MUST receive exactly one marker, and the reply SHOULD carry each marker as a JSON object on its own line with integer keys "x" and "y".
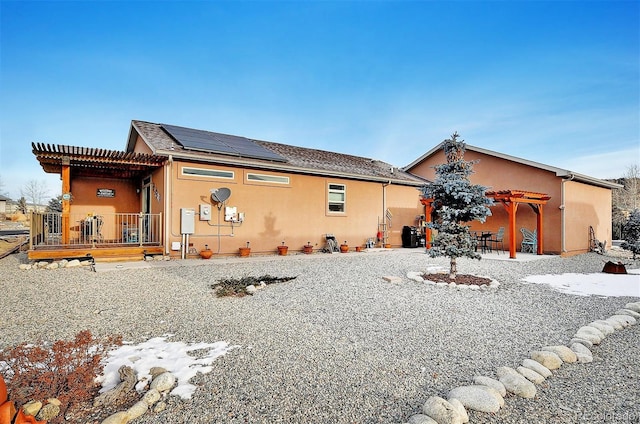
{"x": 573, "y": 208}
{"x": 177, "y": 190}
{"x": 3, "y": 204}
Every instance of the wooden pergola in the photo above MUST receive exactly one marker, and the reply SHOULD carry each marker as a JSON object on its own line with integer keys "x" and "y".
{"x": 511, "y": 199}
{"x": 87, "y": 161}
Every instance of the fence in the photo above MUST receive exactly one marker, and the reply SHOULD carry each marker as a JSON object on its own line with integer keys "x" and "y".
{"x": 96, "y": 230}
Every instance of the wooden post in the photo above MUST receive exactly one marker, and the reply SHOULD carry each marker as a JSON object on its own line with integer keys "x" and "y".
{"x": 513, "y": 207}
{"x": 540, "y": 231}
{"x": 66, "y": 198}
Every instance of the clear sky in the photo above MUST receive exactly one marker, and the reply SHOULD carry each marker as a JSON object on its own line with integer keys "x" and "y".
{"x": 555, "y": 82}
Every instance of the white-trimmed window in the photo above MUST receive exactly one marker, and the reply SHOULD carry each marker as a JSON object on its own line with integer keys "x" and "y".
{"x": 265, "y": 178}
{"x": 206, "y": 172}
{"x": 337, "y": 197}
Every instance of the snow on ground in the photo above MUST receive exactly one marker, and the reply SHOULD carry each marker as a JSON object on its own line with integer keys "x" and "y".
{"x": 600, "y": 284}
{"x": 181, "y": 359}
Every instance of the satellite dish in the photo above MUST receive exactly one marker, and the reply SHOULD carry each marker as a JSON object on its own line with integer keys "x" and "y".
{"x": 220, "y": 195}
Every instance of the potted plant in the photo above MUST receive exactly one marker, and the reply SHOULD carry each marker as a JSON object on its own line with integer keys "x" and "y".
{"x": 245, "y": 251}
{"x": 206, "y": 253}
{"x": 307, "y": 248}
{"x": 282, "y": 249}
{"x": 344, "y": 247}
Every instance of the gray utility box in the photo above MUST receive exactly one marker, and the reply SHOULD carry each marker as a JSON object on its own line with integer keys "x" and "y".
{"x": 187, "y": 220}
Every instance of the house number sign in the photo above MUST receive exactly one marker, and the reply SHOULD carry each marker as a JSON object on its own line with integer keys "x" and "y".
{"x": 106, "y": 192}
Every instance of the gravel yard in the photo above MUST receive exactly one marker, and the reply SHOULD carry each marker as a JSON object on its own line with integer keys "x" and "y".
{"x": 338, "y": 344}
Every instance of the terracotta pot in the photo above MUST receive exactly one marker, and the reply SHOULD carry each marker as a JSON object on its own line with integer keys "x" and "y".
{"x": 307, "y": 249}
{"x": 344, "y": 248}
{"x": 282, "y": 250}
{"x": 387, "y": 245}
{"x": 245, "y": 251}
{"x": 358, "y": 248}
{"x": 206, "y": 254}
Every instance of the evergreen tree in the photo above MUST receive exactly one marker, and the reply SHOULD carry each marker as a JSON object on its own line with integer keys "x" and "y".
{"x": 631, "y": 233}
{"x": 456, "y": 201}
{"x": 55, "y": 204}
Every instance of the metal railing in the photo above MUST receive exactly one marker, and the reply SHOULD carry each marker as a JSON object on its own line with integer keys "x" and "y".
{"x": 96, "y": 230}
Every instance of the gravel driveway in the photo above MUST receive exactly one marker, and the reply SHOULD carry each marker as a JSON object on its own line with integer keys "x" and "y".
{"x": 338, "y": 344}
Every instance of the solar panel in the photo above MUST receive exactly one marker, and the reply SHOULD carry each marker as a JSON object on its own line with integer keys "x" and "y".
{"x": 206, "y": 141}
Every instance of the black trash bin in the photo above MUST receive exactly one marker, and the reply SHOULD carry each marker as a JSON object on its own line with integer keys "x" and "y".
{"x": 410, "y": 237}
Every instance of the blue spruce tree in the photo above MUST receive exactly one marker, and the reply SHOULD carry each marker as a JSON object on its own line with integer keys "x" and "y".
{"x": 631, "y": 233}
{"x": 456, "y": 202}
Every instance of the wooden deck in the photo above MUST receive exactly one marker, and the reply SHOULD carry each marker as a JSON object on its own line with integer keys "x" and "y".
{"x": 100, "y": 254}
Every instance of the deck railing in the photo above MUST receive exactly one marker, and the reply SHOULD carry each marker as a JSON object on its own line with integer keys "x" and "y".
{"x": 96, "y": 230}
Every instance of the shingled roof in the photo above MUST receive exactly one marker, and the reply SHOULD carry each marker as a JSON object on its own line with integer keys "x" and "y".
{"x": 296, "y": 159}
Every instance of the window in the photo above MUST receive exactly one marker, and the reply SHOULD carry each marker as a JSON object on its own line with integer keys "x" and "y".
{"x": 211, "y": 173}
{"x": 267, "y": 178}
{"x": 337, "y": 197}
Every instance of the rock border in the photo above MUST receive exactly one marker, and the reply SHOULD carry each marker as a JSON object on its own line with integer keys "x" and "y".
{"x": 417, "y": 276}
{"x": 75, "y": 263}
{"x": 487, "y": 393}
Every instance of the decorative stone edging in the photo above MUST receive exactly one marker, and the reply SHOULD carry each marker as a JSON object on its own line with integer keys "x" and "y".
{"x": 417, "y": 276}
{"x": 487, "y": 393}
{"x": 76, "y": 263}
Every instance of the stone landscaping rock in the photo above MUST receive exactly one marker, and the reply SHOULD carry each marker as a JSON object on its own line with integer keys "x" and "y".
{"x": 441, "y": 411}
{"x": 629, "y": 312}
{"x": 52, "y": 265}
{"x": 151, "y": 397}
{"x": 392, "y": 279}
{"x": 604, "y": 327}
{"x": 479, "y": 398}
{"x": 625, "y": 320}
{"x": 138, "y": 409}
{"x": 73, "y": 263}
{"x": 32, "y": 407}
{"x": 566, "y": 354}
{"x": 515, "y": 383}
{"x": 118, "y": 418}
{"x": 48, "y": 412}
{"x": 548, "y": 359}
{"x": 24, "y": 267}
{"x": 531, "y": 375}
{"x": 634, "y": 306}
{"x": 537, "y": 367}
{"x": 251, "y": 289}
{"x": 460, "y": 408}
{"x": 159, "y": 407}
{"x": 586, "y": 343}
{"x": 163, "y": 382}
{"x": 415, "y": 276}
{"x": 584, "y": 355}
{"x": 614, "y": 323}
{"x": 421, "y": 419}
{"x": 491, "y": 382}
{"x": 591, "y": 330}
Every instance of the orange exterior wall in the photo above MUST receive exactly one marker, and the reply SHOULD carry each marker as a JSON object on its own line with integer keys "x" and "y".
{"x": 295, "y": 213}
{"x": 501, "y": 174}
{"x": 586, "y": 206}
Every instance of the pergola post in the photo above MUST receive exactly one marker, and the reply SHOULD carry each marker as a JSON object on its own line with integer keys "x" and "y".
{"x": 510, "y": 199}
{"x": 428, "y": 210}
{"x": 65, "y": 175}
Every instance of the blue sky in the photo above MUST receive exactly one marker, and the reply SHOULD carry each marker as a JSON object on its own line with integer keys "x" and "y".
{"x": 554, "y": 82}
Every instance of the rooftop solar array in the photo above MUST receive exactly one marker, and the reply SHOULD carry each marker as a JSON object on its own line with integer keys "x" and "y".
{"x": 206, "y": 141}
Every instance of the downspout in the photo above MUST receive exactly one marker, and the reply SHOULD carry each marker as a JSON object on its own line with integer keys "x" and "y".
{"x": 167, "y": 204}
{"x": 563, "y": 247}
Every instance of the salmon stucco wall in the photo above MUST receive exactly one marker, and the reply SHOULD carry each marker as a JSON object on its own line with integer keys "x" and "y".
{"x": 501, "y": 174}
{"x": 293, "y": 211}
{"x": 586, "y": 206}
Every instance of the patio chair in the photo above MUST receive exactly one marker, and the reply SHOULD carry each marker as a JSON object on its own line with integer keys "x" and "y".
{"x": 497, "y": 239}
{"x": 529, "y": 241}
